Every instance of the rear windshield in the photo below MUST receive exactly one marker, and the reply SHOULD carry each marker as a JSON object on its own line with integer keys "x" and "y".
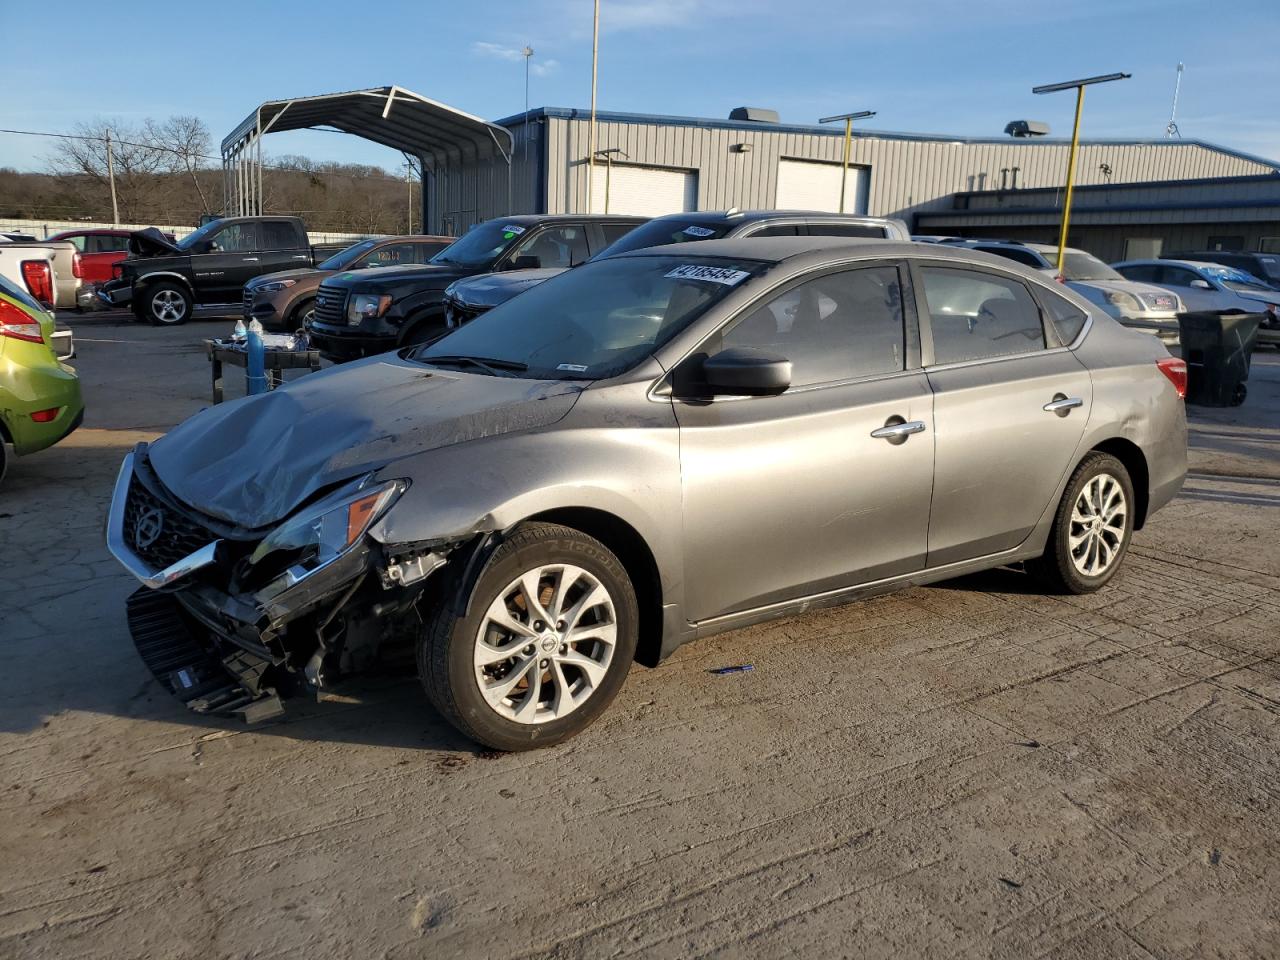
{"x": 481, "y": 245}
{"x": 1077, "y": 265}
{"x": 665, "y": 230}
{"x": 344, "y": 258}
{"x": 594, "y": 321}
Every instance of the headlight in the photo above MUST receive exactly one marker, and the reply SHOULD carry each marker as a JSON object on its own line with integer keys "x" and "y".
{"x": 276, "y": 285}
{"x": 1118, "y": 298}
{"x": 365, "y": 305}
{"x": 327, "y": 529}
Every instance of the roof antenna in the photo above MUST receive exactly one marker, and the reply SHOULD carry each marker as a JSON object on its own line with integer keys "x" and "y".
{"x": 1172, "y": 130}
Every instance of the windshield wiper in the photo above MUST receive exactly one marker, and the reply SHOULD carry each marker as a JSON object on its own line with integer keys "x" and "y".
{"x": 489, "y": 365}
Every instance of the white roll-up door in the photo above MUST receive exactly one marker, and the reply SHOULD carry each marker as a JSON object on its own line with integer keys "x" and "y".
{"x": 644, "y": 191}
{"x": 806, "y": 185}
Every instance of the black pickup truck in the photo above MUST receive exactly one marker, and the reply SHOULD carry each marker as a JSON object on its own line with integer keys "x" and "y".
{"x": 360, "y": 313}
{"x": 163, "y": 281}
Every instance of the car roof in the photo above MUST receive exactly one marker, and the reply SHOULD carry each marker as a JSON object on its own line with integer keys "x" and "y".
{"x": 531, "y": 219}
{"x": 778, "y": 249}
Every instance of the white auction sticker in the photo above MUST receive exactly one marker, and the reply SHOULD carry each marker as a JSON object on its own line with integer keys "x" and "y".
{"x": 696, "y": 231}
{"x": 573, "y": 367}
{"x": 693, "y": 271}
{"x": 513, "y": 228}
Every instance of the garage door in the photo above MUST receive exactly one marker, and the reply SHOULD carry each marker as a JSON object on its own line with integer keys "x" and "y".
{"x": 644, "y": 191}
{"x": 805, "y": 185}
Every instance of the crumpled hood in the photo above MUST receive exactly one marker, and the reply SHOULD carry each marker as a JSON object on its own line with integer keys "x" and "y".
{"x": 284, "y": 275}
{"x": 491, "y": 289}
{"x": 151, "y": 243}
{"x": 253, "y": 461}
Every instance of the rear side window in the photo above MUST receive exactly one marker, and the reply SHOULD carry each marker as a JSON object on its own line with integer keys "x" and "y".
{"x": 776, "y": 230}
{"x": 278, "y": 236}
{"x": 1067, "y": 319}
{"x": 80, "y": 242}
{"x": 615, "y": 231}
{"x": 835, "y": 327}
{"x": 978, "y": 316}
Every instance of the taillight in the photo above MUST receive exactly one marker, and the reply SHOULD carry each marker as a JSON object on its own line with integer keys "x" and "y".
{"x": 46, "y": 416}
{"x": 75, "y": 265}
{"x": 1175, "y": 369}
{"x": 39, "y": 279}
{"x": 18, "y": 325}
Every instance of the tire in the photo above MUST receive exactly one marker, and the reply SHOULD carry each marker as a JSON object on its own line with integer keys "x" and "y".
{"x": 427, "y": 330}
{"x": 300, "y": 314}
{"x": 456, "y": 655}
{"x": 4, "y": 456}
{"x": 1064, "y": 569}
{"x": 167, "y": 304}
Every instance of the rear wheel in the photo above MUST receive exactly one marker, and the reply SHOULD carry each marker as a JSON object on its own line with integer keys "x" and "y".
{"x": 546, "y": 645}
{"x": 168, "y": 304}
{"x": 1092, "y": 528}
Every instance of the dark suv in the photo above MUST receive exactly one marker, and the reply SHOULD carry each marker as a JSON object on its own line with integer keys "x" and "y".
{"x": 365, "y": 312}
{"x": 468, "y": 298}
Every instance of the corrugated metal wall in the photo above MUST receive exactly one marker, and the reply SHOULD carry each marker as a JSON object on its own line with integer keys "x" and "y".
{"x": 906, "y": 175}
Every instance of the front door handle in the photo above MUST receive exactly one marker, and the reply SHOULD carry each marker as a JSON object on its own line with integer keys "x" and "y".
{"x": 250, "y": 259}
{"x": 1062, "y": 405}
{"x": 896, "y": 430}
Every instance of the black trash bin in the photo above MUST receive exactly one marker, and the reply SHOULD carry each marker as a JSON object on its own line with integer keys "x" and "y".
{"x": 1217, "y": 348}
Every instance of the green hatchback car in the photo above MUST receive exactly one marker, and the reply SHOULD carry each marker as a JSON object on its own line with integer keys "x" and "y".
{"x": 39, "y": 396}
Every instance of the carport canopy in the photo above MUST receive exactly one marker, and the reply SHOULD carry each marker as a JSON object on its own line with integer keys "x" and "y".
{"x": 392, "y": 116}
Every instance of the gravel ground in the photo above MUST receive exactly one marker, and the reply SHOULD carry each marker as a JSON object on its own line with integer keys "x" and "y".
{"x": 963, "y": 770}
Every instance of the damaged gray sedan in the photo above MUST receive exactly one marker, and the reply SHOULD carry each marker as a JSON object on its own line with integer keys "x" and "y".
{"x": 645, "y": 450}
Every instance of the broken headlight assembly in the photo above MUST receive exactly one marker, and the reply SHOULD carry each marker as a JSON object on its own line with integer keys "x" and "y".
{"x": 321, "y": 533}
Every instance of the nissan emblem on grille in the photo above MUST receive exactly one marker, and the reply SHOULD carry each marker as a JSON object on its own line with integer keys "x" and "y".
{"x": 149, "y": 527}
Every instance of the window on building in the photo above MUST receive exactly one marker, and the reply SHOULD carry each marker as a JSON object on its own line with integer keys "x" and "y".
{"x": 836, "y": 327}
{"x": 977, "y": 316}
{"x": 1142, "y": 248}
{"x": 1226, "y": 243}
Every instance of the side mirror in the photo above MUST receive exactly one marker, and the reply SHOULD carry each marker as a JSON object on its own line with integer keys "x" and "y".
{"x": 1201, "y": 284}
{"x": 526, "y": 261}
{"x": 743, "y": 372}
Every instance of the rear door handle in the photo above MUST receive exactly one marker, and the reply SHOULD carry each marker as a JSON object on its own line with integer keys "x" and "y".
{"x": 896, "y": 430}
{"x": 1062, "y": 405}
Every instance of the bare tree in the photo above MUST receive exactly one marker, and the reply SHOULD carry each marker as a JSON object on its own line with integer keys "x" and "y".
{"x": 135, "y": 162}
{"x": 183, "y": 143}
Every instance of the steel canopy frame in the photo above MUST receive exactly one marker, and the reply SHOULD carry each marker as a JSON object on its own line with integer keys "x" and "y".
{"x": 392, "y": 116}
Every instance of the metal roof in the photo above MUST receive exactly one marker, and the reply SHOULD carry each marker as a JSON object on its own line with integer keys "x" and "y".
{"x": 392, "y": 116}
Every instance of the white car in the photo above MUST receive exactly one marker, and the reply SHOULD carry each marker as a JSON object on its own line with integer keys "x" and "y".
{"x": 1212, "y": 286}
{"x": 1141, "y": 306}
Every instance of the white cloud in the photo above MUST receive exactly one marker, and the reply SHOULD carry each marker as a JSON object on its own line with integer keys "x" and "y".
{"x": 499, "y": 51}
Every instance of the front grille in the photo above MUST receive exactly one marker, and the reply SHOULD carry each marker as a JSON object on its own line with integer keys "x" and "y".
{"x": 331, "y": 306}
{"x": 158, "y": 533}
{"x": 457, "y": 314}
{"x": 1160, "y": 301}
{"x": 248, "y": 304}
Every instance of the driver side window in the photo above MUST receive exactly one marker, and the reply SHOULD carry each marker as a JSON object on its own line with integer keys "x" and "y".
{"x": 232, "y": 238}
{"x": 840, "y": 326}
{"x": 564, "y": 246}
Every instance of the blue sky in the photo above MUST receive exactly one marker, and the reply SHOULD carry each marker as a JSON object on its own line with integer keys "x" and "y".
{"x": 951, "y": 66}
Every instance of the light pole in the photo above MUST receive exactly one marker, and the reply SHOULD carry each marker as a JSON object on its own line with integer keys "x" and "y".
{"x": 527, "y": 53}
{"x": 1078, "y": 86}
{"x": 608, "y": 170}
{"x": 848, "y": 119}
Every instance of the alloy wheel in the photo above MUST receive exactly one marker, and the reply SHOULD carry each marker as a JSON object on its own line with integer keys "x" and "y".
{"x": 1099, "y": 520}
{"x": 545, "y": 644}
{"x": 168, "y": 306}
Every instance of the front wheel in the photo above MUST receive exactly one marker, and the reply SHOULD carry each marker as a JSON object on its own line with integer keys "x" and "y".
{"x": 168, "y": 305}
{"x": 546, "y": 644}
{"x": 302, "y": 315}
{"x": 1092, "y": 528}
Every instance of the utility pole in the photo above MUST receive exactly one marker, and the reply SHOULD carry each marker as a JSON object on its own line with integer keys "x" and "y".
{"x": 591, "y": 147}
{"x": 111, "y": 176}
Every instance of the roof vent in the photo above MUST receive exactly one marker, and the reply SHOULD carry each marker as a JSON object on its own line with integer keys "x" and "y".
{"x": 1027, "y": 128}
{"x": 754, "y": 114}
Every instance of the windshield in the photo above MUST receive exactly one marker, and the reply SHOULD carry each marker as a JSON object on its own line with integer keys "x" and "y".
{"x": 191, "y": 239}
{"x": 1077, "y": 265}
{"x": 344, "y": 258}
{"x": 664, "y": 230}
{"x": 1238, "y": 280}
{"x": 481, "y": 245}
{"x": 595, "y": 321}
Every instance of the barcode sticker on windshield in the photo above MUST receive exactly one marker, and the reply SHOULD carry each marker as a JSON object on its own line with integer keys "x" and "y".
{"x": 696, "y": 231}
{"x": 573, "y": 367}
{"x": 692, "y": 271}
{"x": 513, "y": 228}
